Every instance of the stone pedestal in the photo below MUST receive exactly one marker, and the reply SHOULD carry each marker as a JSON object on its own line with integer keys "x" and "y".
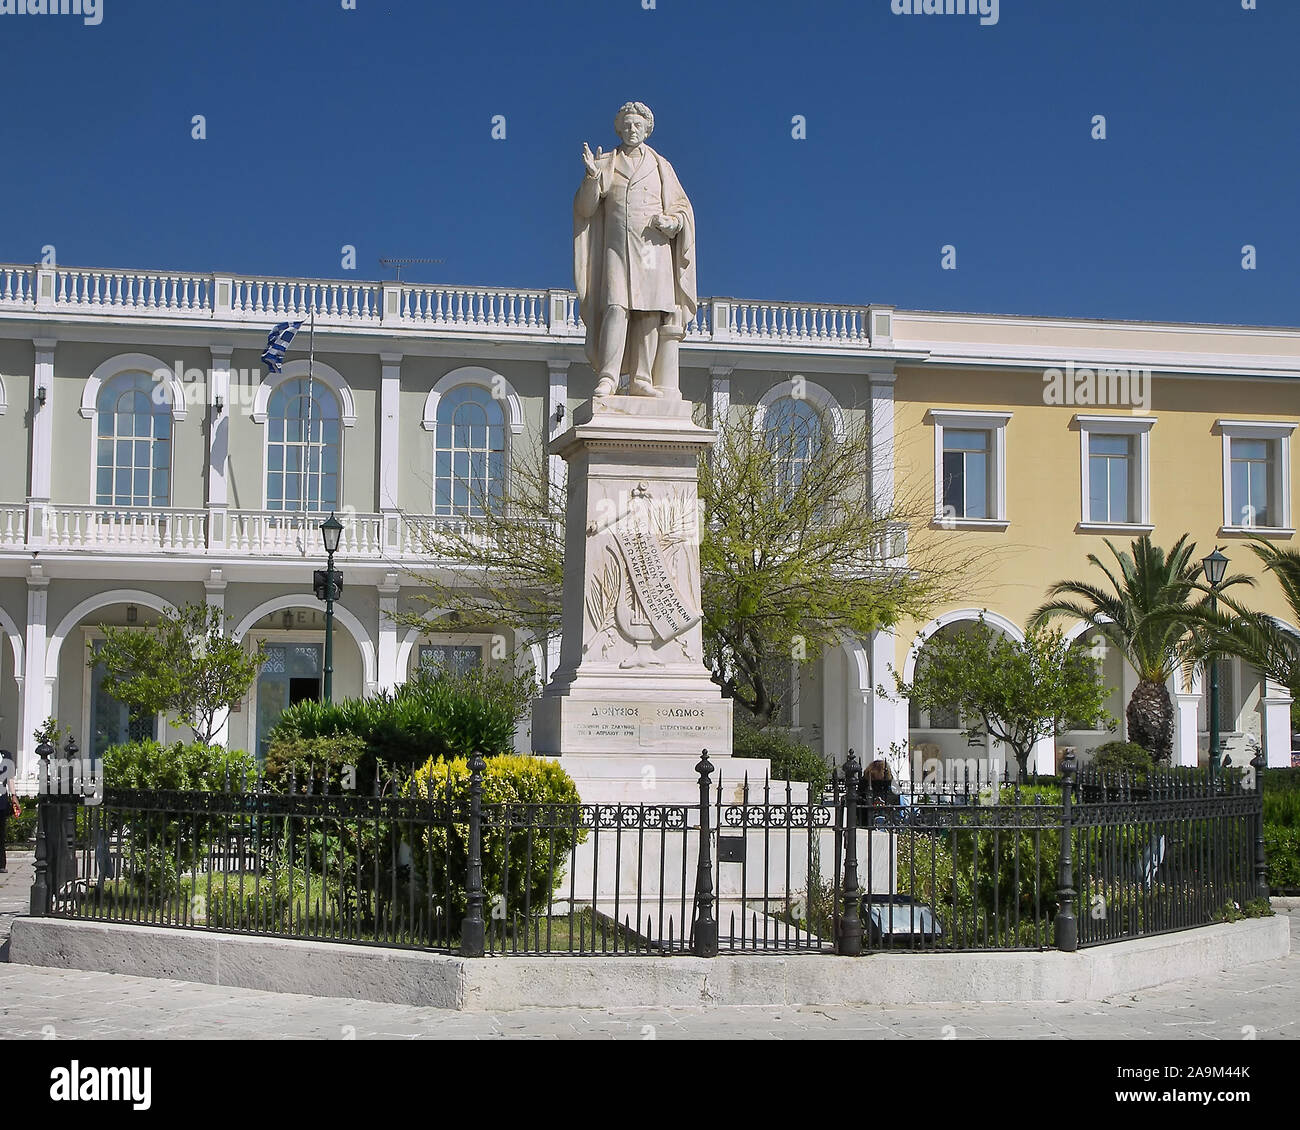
{"x": 631, "y": 683}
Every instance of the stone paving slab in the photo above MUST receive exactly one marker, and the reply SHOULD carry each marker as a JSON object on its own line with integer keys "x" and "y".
{"x": 1261, "y": 999}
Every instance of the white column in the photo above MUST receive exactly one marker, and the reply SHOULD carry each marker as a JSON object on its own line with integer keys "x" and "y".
{"x": 882, "y": 440}
{"x": 390, "y": 400}
{"x": 884, "y": 712}
{"x": 835, "y": 740}
{"x": 557, "y": 415}
{"x": 389, "y": 590}
{"x": 719, "y": 394}
{"x": 218, "y": 444}
{"x": 1128, "y": 682}
{"x": 1186, "y": 706}
{"x": 42, "y": 451}
{"x": 214, "y": 589}
{"x": 1042, "y": 758}
{"x": 38, "y": 691}
{"x": 1275, "y": 724}
{"x": 858, "y": 703}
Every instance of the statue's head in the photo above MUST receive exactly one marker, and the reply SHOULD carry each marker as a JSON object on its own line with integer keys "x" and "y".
{"x": 634, "y": 123}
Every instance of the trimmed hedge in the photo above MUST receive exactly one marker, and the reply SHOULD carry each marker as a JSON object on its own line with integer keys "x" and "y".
{"x": 1282, "y": 827}
{"x": 1122, "y": 757}
{"x": 445, "y": 715}
{"x": 508, "y": 780}
{"x": 149, "y": 764}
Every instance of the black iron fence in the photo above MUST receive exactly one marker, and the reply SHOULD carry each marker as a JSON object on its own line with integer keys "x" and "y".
{"x": 1073, "y": 861}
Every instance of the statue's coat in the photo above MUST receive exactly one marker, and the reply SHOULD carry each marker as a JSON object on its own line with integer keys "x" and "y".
{"x": 619, "y": 257}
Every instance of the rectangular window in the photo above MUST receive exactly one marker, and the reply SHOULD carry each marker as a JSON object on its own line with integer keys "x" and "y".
{"x": 967, "y": 468}
{"x": 936, "y": 719}
{"x": 1253, "y": 470}
{"x": 111, "y": 723}
{"x": 455, "y": 659}
{"x": 1111, "y": 479}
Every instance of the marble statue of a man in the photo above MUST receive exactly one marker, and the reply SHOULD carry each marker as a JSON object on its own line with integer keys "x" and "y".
{"x": 633, "y": 257}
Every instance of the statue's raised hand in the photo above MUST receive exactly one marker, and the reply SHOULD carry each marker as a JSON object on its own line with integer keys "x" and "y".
{"x": 589, "y": 160}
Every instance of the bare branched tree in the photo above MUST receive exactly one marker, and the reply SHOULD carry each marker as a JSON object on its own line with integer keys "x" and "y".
{"x": 795, "y": 555}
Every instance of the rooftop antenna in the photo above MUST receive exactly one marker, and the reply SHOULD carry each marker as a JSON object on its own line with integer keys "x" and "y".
{"x": 398, "y": 264}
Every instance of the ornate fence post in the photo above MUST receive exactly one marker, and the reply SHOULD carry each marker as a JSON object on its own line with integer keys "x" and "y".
{"x": 705, "y": 943}
{"x": 68, "y": 842}
{"x": 849, "y": 942}
{"x": 1258, "y": 763}
{"x": 1067, "y": 927}
{"x": 472, "y": 932}
{"x": 40, "y": 901}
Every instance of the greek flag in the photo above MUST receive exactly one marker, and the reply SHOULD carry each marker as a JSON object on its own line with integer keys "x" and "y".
{"x": 277, "y": 342}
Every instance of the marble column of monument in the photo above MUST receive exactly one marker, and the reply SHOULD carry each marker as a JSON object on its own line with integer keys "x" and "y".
{"x": 632, "y": 700}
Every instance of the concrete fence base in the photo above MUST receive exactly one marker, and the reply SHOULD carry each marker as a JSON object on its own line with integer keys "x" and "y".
{"x": 329, "y": 969}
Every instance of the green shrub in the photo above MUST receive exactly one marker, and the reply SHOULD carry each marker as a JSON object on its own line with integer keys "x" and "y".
{"x": 164, "y": 846}
{"x": 432, "y": 716}
{"x": 148, "y": 764}
{"x": 22, "y": 829}
{"x": 299, "y": 761}
{"x": 1282, "y": 849}
{"x": 1235, "y": 912}
{"x": 791, "y": 760}
{"x": 1282, "y": 809}
{"x": 509, "y": 780}
{"x": 1122, "y": 757}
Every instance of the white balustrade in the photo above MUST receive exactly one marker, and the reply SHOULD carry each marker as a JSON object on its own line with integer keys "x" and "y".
{"x": 274, "y": 533}
{"x": 429, "y": 537}
{"x": 128, "y": 292}
{"x": 17, "y": 286}
{"x": 891, "y": 548}
{"x": 698, "y": 326}
{"x": 515, "y": 311}
{"x": 488, "y": 310}
{"x": 297, "y": 299}
{"x": 115, "y": 529}
{"x": 810, "y": 325}
{"x": 13, "y": 526}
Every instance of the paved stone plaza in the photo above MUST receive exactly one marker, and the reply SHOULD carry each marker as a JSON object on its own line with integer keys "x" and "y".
{"x": 1260, "y": 1000}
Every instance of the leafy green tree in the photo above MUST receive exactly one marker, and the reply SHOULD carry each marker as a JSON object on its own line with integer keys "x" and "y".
{"x": 1147, "y": 612}
{"x": 183, "y": 666}
{"x": 794, "y": 556}
{"x": 1014, "y": 692}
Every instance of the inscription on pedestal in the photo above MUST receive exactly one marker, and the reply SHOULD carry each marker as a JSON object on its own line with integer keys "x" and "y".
{"x": 647, "y": 724}
{"x": 563, "y": 726}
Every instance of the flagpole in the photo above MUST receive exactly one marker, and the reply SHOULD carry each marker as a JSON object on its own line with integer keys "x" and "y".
{"x": 311, "y": 399}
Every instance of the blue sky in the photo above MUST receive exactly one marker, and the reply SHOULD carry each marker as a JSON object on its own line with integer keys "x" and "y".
{"x": 372, "y": 127}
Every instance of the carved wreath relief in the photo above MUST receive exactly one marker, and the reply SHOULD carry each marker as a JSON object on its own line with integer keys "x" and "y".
{"x": 643, "y": 589}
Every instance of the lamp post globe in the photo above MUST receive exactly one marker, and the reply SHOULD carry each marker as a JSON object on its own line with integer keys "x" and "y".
{"x": 331, "y": 531}
{"x": 1215, "y": 566}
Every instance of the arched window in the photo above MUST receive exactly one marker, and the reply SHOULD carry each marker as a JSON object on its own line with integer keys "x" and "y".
{"x": 303, "y": 447}
{"x": 133, "y": 458}
{"x": 469, "y": 453}
{"x": 794, "y": 432}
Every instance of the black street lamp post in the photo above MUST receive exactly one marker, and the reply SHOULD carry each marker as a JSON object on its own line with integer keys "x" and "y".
{"x": 1215, "y": 566}
{"x": 328, "y": 583}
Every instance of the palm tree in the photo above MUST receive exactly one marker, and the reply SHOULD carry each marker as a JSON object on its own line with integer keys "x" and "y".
{"x": 1255, "y": 637}
{"x": 1147, "y": 614}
